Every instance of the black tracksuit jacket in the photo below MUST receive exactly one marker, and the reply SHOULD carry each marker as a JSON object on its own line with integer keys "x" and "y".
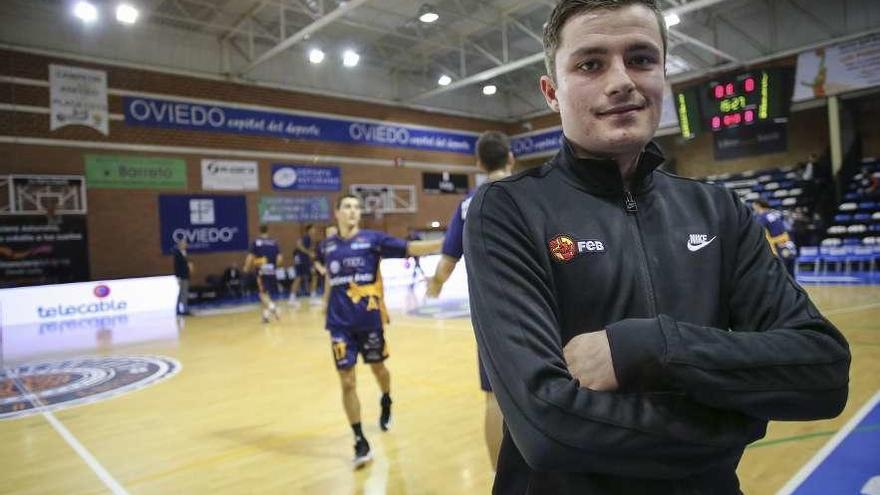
{"x": 709, "y": 336}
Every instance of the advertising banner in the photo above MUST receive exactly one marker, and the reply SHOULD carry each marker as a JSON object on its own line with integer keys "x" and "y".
{"x": 91, "y": 300}
{"x": 298, "y": 210}
{"x": 287, "y": 177}
{"x": 174, "y": 114}
{"x": 206, "y": 223}
{"x": 37, "y": 250}
{"x": 230, "y": 175}
{"x": 837, "y": 69}
{"x": 134, "y": 172}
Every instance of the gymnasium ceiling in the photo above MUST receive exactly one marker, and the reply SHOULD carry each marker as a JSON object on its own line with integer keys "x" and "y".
{"x": 474, "y": 42}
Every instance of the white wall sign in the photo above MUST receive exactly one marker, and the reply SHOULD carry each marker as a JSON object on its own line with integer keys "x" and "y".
{"x": 230, "y": 175}
{"x": 78, "y": 97}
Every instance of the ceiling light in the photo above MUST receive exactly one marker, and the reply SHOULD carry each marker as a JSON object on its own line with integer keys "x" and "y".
{"x": 428, "y": 14}
{"x": 316, "y": 56}
{"x": 672, "y": 19}
{"x": 85, "y": 11}
{"x": 350, "y": 58}
{"x": 490, "y": 89}
{"x": 429, "y": 17}
{"x": 435, "y": 224}
{"x": 126, "y": 14}
{"x": 444, "y": 80}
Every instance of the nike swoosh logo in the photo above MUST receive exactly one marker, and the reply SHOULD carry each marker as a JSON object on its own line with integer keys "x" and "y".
{"x": 696, "y": 247}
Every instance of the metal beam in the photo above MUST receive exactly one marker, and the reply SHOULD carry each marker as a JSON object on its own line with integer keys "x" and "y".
{"x": 705, "y": 46}
{"x": 304, "y": 33}
{"x": 539, "y": 57}
{"x": 244, "y": 17}
{"x": 484, "y": 76}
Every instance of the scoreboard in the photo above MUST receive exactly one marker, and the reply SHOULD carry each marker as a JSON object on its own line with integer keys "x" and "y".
{"x": 734, "y": 100}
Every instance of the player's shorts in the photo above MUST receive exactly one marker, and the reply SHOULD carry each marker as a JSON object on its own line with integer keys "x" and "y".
{"x": 347, "y": 344}
{"x": 268, "y": 283}
{"x": 303, "y": 269}
{"x": 484, "y": 378}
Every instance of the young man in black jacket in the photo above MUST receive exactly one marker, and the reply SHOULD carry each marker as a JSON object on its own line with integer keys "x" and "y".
{"x": 637, "y": 331}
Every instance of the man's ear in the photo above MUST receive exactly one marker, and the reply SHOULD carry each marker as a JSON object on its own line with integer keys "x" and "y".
{"x": 548, "y": 89}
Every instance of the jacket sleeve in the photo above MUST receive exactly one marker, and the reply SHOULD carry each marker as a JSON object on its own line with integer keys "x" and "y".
{"x": 781, "y": 359}
{"x": 556, "y": 424}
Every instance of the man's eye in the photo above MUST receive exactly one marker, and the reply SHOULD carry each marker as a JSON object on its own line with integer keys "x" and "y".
{"x": 589, "y": 65}
{"x": 642, "y": 60}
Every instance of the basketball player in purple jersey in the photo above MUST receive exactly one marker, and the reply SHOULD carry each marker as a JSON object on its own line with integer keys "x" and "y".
{"x": 265, "y": 257}
{"x": 493, "y": 156}
{"x": 355, "y": 308}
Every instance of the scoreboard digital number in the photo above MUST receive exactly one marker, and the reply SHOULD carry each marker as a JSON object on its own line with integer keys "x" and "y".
{"x": 741, "y": 101}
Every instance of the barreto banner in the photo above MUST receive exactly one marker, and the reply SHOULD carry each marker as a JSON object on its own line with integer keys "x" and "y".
{"x": 197, "y": 116}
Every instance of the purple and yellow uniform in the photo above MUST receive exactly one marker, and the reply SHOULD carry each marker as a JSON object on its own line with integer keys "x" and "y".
{"x": 780, "y": 240}
{"x": 265, "y": 252}
{"x": 453, "y": 246}
{"x": 355, "y": 309}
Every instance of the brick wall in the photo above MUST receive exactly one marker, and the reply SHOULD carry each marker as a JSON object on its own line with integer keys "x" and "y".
{"x": 124, "y": 224}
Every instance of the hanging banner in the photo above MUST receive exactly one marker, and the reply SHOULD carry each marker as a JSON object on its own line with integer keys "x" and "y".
{"x": 305, "y": 178}
{"x": 78, "y": 97}
{"x": 206, "y": 223}
{"x": 230, "y": 175}
{"x": 297, "y": 210}
{"x": 173, "y": 114}
{"x": 135, "y": 172}
{"x": 41, "y": 250}
{"x": 837, "y": 69}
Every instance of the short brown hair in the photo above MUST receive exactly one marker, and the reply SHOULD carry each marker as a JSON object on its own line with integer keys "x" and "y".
{"x": 566, "y": 9}
{"x": 493, "y": 150}
{"x": 346, "y": 196}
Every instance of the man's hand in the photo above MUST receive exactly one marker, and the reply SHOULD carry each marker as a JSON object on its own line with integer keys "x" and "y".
{"x": 588, "y": 357}
{"x": 434, "y": 288}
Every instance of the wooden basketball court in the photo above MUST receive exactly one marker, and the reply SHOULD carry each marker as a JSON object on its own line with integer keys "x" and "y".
{"x": 256, "y": 409}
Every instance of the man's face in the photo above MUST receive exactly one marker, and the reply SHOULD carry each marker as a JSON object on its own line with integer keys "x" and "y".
{"x": 349, "y": 212}
{"x": 609, "y": 80}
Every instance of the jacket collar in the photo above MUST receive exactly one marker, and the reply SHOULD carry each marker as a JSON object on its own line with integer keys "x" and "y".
{"x": 602, "y": 176}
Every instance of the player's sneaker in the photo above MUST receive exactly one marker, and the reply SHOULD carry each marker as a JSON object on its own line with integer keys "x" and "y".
{"x": 362, "y": 453}
{"x": 276, "y": 313}
{"x": 385, "y": 417}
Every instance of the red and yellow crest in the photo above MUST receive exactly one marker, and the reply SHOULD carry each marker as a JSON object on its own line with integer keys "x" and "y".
{"x": 562, "y": 248}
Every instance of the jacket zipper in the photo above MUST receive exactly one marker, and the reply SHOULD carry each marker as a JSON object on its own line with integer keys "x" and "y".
{"x": 632, "y": 209}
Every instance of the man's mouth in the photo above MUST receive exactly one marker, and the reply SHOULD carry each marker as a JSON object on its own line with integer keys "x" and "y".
{"x": 621, "y": 109}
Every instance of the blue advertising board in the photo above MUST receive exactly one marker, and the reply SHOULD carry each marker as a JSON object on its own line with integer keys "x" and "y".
{"x": 288, "y": 177}
{"x": 207, "y": 223}
{"x": 536, "y": 142}
{"x": 174, "y": 114}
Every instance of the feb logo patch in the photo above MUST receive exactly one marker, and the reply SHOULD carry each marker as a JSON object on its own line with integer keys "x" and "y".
{"x": 564, "y": 248}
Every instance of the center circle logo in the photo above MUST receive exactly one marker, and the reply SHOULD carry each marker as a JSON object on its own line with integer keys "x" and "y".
{"x": 33, "y": 388}
{"x": 284, "y": 177}
{"x": 562, "y": 248}
{"x": 101, "y": 291}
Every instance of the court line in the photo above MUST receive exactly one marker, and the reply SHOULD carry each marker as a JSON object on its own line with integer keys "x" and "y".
{"x": 807, "y": 436}
{"x": 851, "y": 309}
{"x": 71, "y": 440}
{"x": 829, "y": 447}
